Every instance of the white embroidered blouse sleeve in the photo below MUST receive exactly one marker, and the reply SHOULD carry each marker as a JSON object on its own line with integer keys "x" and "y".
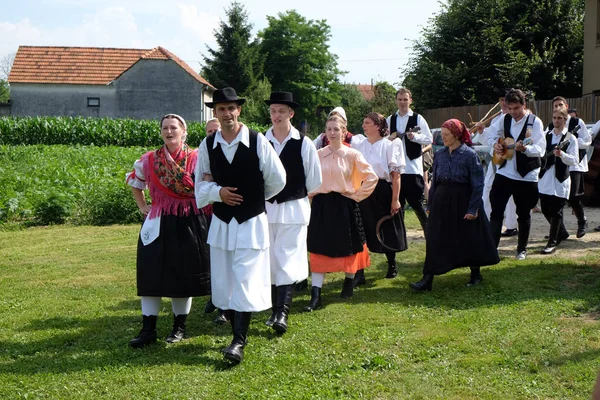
{"x": 312, "y": 165}
{"x": 136, "y": 178}
{"x": 397, "y": 161}
{"x": 206, "y": 192}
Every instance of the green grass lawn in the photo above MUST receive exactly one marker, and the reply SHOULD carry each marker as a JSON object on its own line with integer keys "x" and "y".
{"x": 68, "y": 308}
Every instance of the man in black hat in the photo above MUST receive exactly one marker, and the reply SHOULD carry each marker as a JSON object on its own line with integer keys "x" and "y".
{"x": 289, "y": 212}
{"x": 237, "y": 171}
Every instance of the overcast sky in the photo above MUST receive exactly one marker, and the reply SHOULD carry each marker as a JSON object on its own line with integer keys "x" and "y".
{"x": 370, "y": 38}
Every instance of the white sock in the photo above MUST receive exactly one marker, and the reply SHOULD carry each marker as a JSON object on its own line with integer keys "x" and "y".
{"x": 351, "y": 276}
{"x": 150, "y": 305}
{"x": 317, "y": 279}
{"x": 181, "y": 305}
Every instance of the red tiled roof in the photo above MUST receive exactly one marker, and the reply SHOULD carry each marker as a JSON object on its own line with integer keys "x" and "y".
{"x": 83, "y": 65}
{"x": 367, "y": 91}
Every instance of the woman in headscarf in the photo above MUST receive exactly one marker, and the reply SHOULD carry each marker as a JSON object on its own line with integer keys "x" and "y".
{"x": 458, "y": 231}
{"x": 387, "y": 159}
{"x": 172, "y": 253}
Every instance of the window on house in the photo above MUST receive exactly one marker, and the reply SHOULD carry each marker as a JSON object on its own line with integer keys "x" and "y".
{"x": 93, "y": 101}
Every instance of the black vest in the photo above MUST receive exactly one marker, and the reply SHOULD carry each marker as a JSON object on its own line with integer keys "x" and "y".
{"x": 524, "y": 164}
{"x": 244, "y": 174}
{"x": 561, "y": 170}
{"x": 413, "y": 150}
{"x": 573, "y": 122}
{"x": 295, "y": 181}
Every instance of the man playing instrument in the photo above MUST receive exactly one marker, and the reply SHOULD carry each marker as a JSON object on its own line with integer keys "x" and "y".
{"x": 518, "y": 176}
{"x": 584, "y": 140}
{"x": 411, "y": 180}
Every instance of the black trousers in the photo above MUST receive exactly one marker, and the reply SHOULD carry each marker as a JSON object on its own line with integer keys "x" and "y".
{"x": 552, "y": 206}
{"x": 412, "y": 187}
{"x": 525, "y": 194}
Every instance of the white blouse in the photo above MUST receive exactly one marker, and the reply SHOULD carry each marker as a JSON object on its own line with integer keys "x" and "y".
{"x": 384, "y": 156}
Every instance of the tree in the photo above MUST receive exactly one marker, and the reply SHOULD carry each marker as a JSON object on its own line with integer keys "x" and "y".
{"x": 384, "y": 99}
{"x": 254, "y": 109}
{"x": 6, "y": 63}
{"x": 474, "y": 48}
{"x": 355, "y": 106}
{"x": 4, "y": 91}
{"x": 297, "y": 59}
{"x": 235, "y": 62}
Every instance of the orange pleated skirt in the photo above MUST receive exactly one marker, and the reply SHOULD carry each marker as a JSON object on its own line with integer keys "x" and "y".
{"x": 349, "y": 264}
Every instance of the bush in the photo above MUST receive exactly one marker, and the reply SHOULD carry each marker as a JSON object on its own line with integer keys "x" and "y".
{"x": 52, "y": 210}
{"x": 92, "y": 131}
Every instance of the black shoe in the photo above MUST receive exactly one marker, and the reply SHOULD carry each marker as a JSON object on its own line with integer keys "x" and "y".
{"x": 315, "y": 300}
{"x": 597, "y": 229}
{"x": 425, "y": 284}
{"x": 178, "y": 332}
{"x": 510, "y": 232}
{"x": 476, "y": 279}
{"x": 148, "y": 333}
{"x": 222, "y": 317}
{"x": 347, "y": 288}
{"x": 548, "y": 249}
{"x": 392, "y": 271}
{"x": 209, "y": 308}
{"x": 359, "y": 278}
{"x": 300, "y": 286}
{"x": 581, "y": 229}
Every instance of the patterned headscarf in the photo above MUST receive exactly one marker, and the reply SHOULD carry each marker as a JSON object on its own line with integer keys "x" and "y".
{"x": 459, "y": 130}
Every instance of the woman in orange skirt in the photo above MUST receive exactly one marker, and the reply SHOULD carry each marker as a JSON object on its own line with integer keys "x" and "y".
{"x": 336, "y": 238}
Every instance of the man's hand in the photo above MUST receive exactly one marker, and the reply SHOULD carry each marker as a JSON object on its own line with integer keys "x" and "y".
{"x": 470, "y": 217}
{"x": 229, "y": 197}
{"x": 558, "y": 152}
{"x": 498, "y": 148}
{"x": 519, "y": 146}
{"x": 410, "y": 135}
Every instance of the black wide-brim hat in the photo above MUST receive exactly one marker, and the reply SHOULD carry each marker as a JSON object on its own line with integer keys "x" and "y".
{"x": 225, "y": 95}
{"x": 282, "y": 98}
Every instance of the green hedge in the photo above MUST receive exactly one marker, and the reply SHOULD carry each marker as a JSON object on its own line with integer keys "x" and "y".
{"x": 91, "y": 131}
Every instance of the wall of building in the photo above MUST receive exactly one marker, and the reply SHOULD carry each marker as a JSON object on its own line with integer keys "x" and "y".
{"x": 153, "y": 88}
{"x": 591, "y": 58}
{"x": 61, "y": 100}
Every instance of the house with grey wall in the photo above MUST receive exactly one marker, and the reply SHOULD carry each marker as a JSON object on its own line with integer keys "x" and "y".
{"x": 106, "y": 82}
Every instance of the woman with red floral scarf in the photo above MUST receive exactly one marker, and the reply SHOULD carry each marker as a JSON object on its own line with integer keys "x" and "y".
{"x": 172, "y": 253}
{"x": 458, "y": 231}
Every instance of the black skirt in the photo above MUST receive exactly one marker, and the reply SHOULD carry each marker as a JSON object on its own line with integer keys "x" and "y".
{"x": 372, "y": 209}
{"x": 452, "y": 241}
{"x": 177, "y": 263}
{"x": 336, "y": 227}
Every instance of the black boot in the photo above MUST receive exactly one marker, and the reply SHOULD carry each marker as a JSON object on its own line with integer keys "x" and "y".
{"x": 424, "y": 284}
{"x": 359, "y": 278}
{"x": 284, "y": 300}
{"x": 300, "y": 286}
{"x": 523, "y": 236}
{"x": 315, "y": 300}
{"x": 392, "y": 271}
{"x": 239, "y": 325}
{"x": 273, "y": 304}
{"x": 555, "y": 223}
{"x": 178, "y": 331}
{"x": 422, "y": 216}
{"x": 496, "y": 228}
{"x": 223, "y": 317}
{"x": 347, "y": 288}
{"x": 148, "y": 333}
{"x": 476, "y": 277}
{"x": 577, "y": 208}
{"x": 209, "y": 307}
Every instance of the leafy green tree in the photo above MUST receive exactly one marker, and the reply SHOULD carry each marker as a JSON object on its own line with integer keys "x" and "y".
{"x": 355, "y": 105}
{"x": 297, "y": 59}
{"x": 4, "y": 91}
{"x": 384, "y": 99}
{"x": 473, "y": 48}
{"x": 236, "y": 61}
{"x": 254, "y": 109}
